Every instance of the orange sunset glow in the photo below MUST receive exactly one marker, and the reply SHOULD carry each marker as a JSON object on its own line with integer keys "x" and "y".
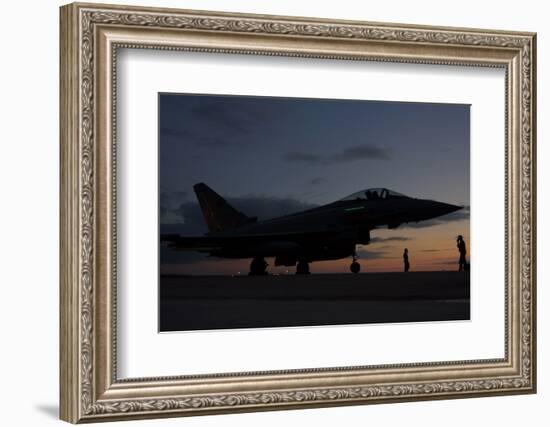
{"x": 430, "y": 248}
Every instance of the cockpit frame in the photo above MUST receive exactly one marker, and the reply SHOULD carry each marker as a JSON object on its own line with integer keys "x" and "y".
{"x": 375, "y": 193}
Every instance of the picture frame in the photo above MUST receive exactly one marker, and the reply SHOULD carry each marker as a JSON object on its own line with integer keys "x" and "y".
{"x": 91, "y": 36}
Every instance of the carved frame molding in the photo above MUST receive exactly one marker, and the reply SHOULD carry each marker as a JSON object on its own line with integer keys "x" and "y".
{"x": 90, "y": 36}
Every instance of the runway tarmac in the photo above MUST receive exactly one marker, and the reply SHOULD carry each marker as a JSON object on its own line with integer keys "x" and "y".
{"x": 225, "y": 302}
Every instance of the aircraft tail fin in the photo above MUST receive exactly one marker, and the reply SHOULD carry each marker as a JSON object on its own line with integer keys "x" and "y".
{"x": 218, "y": 214}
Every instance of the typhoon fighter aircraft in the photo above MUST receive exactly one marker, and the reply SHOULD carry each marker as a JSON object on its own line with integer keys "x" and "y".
{"x": 327, "y": 232}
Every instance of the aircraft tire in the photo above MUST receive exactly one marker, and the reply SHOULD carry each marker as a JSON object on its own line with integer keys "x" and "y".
{"x": 302, "y": 267}
{"x": 355, "y": 267}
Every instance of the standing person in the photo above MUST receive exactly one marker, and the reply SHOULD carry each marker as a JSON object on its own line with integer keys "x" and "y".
{"x": 406, "y": 259}
{"x": 461, "y": 245}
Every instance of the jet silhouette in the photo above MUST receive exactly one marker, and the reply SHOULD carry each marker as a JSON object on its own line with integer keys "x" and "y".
{"x": 328, "y": 232}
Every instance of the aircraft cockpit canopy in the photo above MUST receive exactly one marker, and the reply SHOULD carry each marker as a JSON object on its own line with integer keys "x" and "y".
{"x": 374, "y": 194}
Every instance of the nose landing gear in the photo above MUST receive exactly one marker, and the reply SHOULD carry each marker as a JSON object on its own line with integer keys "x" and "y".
{"x": 302, "y": 267}
{"x": 258, "y": 267}
{"x": 355, "y": 267}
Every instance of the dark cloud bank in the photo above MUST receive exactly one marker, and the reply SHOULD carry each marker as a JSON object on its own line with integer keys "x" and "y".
{"x": 350, "y": 154}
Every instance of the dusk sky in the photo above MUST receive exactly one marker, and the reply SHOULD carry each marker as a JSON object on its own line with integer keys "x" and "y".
{"x": 270, "y": 156}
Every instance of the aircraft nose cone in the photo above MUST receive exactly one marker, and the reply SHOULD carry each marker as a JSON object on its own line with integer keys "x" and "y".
{"x": 446, "y": 208}
{"x": 428, "y": 209}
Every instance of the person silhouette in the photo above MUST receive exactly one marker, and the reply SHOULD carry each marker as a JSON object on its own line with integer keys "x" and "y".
{"x": 461, "y": 245}
{"x": 406, "y": 259}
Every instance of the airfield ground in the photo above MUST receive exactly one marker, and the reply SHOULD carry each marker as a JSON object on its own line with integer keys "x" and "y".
{"x": 224, "y": 302}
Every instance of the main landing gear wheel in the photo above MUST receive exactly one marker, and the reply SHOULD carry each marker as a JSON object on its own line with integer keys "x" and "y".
{"x": 302, "y": 267}
{"x": 355, "y": 267}
{"x": 258, "y": 267}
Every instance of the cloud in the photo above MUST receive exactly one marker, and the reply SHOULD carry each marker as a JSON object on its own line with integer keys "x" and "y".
{"x": 360, "y": 152}
{"x": 390, "y": 239}
{"x": 169, "y": 201}
{"x": 172, "y": 198}
{"x": 199, "y": 139}
{"x": 380, "y": 252}
{"x": 317, "y": 181}
{"x": 364, "y": 253}
{"x": 211, "y": 122}
{"x": 350, "y": 154}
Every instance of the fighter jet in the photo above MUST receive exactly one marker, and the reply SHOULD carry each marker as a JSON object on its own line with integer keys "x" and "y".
{"x": 327, "y": 232}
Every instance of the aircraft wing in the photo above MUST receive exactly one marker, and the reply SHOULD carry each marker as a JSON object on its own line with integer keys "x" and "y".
{"x": 198, "y": 243}
{"x": 209, "y": 243}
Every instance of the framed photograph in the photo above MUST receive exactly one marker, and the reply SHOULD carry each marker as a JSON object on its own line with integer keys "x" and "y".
{"x": 266, "y": 212}
{"x": 280, "y": 250}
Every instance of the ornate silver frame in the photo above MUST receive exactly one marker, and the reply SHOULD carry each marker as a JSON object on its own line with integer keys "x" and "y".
{"x": 90, "y": 36}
